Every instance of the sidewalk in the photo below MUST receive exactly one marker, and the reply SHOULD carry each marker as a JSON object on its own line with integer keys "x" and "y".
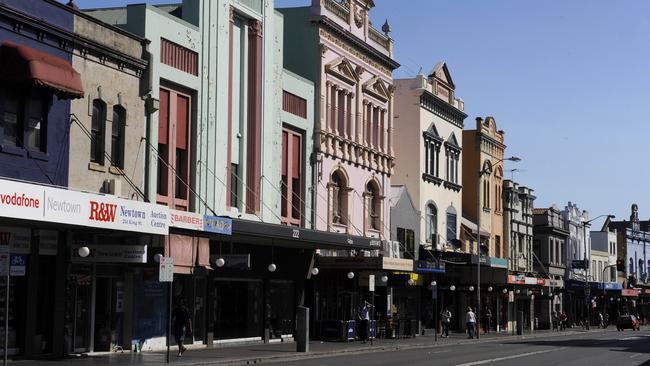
{"x": 282, "y": 352}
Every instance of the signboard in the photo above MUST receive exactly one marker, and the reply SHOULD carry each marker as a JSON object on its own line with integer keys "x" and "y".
{"x": 18, "y": 239}
{"x": 48, "y": 241}
{"x": 240, "y": 261}
{"x": 18, "y": 265}
{"x": 579, "y": 264}
{"x": 110, "y": 253}
{"x": 587, "y": 291}
{"x": 517, "y": 279}
{"x": 511, "y": 296}
{"x": 218, "y": 225}
{"x": 396, "y": 264}
{"x": 166, "y": 270}
{"x": 185, "y": 220}
{"x": 371, "y": 283}
{"x": 498, "y": 262}
{"x": 4, "y": 264}
{"x": 350, "y": 262}
{"x": 40, "y": 203}
{"x": 485, "y": 260}
{"x": 430, "y": 267}
{"x": 630, "y": 292}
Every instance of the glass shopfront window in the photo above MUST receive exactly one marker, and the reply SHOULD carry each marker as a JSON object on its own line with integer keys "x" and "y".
{"x": 280, "y": 308}
{"x": 237, "y": 310}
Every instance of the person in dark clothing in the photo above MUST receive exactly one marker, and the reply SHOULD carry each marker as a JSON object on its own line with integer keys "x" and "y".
{"x": 487, "y": 319}
{"x": 181, "y": 323}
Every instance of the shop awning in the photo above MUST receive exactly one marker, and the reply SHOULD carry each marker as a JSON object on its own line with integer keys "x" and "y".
{"x": 471, "y": 226}
{"x": 25, "y": 65}
{"x": 189, "y": 252}
{"x": 291, "y": 235}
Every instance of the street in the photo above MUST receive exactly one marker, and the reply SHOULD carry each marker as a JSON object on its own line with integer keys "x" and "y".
{"x": 595, "y": 349}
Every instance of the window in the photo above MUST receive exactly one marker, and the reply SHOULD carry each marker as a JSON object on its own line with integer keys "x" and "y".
{"x": 97, "y": 128}
{"x": 497, "y": 246}
{"x": 117, "y": 137}
{"x": 632, "y": 266}
{"x": 431, "y": 223}
{"x": 406, "y": 237}
{"x": 339, "y": 198}
{"x": 451, "y": 224}
{"x": 452, "y": 165}
{"x": 374, "y": 206}
{"x": 24, "y": 119}
{"x": 486, "y": 193}
{"x": 640, "y": 269}
{"x": 234, "y": 185}
{"x": 431, "y": 157}
{"x": 173, "y": 149}
{"x": 36, "y": 123}
{"x": 291, "y": 206}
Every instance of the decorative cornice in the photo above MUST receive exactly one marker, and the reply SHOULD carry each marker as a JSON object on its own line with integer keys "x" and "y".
{"x": 442, "y": 109}
{"x": 356, "y": 41}
{"x": 70, "y": 41}
{"x": 431, "y": 179}
{"x": 428, "y": 135}
{"x": 450, "y": 146}
{"x": 453, "y": 186}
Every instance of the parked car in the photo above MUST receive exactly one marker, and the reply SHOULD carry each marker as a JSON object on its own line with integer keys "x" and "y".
{"x": 627, "y": 322}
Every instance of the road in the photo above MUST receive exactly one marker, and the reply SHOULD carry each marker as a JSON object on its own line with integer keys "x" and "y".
{"x": 610, "y": 348}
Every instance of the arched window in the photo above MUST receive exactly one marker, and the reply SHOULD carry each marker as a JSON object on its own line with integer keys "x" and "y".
{"x": 117, "y": 136}
{"x": 374, "y": 206}
{"x": 640, "y": 267}
{"x": 631, "y": 266}
{"x": 431, "y": 223}
{"x": 339, "y": 198}
{"x": 97, "y": 128}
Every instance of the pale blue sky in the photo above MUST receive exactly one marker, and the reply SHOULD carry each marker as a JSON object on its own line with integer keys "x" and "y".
{"x": 567, "y": 81}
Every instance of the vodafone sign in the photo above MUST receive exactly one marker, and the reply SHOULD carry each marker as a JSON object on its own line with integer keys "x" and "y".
{"x": 34, "y": 202}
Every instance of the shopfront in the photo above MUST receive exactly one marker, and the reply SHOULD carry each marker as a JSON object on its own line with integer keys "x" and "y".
{"x": 263, "y": 272}
{"x": 73, "y": 256}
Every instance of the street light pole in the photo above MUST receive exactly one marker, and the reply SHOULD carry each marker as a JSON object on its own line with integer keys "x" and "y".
{"x": 478, "y": 239}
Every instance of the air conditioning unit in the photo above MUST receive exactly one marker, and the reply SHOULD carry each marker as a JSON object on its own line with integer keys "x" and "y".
{"x": 391, "y": 248}
{"x": 113, "y": 186}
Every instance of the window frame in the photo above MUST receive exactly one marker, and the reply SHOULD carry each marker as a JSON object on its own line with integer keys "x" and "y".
{"x": 98, "y": 136}
{"x": 24, "y": 98}
{"x": 289, "y": 195}
{"x": 121, "y": 113}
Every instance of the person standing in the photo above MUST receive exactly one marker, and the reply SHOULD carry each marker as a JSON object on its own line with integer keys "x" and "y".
{"x": 555, "y": 320}
{"x": 445, "y": 319}
{"x": 470, "y": 321}
{"x": 563, "y": 319}
{"x": 364, "y": 321}
{"x": 487, "y": 319}
{"x": 181, "y": 325}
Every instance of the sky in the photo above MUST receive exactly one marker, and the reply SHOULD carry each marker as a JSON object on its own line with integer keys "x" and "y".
{"x": 567, "y": 81}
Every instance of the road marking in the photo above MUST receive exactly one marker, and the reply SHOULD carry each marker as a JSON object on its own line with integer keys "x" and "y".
{"x": 483, "y": 362}
{"x": 631, "y": 338}
{"x": 635, "y": 355}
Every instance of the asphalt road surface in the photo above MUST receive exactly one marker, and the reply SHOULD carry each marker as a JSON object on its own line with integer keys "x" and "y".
{"x": 610, "y": 348}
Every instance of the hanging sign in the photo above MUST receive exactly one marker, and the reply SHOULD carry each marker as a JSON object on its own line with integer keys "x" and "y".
{"x": 166, "y": 272}
{"x": 110, "y": 253}
{"x": 371, "y": 283}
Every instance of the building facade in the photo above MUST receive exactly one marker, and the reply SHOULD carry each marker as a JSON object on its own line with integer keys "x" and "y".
{"x": 550, "y": 236}
{"x": 518, "y": 226}
{"x": 578, "y": 246}
{"x": 428, "y": 147}
{"x": 483, "y": 150}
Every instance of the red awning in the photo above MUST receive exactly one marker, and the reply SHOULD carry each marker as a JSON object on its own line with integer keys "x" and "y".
{"x": 26, "y": 65}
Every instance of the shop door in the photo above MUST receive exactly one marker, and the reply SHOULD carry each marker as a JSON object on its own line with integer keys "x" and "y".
{"x": 81, "y": 301}
{"x": 237, "y": 308}
{"x": 280, "y": 308}
{"x": 109, "y": 304}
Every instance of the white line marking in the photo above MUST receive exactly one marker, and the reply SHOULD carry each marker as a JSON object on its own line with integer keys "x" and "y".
{"x": 510, "y": 357}
{"x": 631, "y": 338}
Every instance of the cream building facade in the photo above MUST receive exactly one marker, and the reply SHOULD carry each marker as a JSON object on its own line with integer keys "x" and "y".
{"x": 428, "y": 147}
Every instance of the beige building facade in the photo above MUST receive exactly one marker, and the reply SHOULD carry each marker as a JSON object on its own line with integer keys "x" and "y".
{"x": 483, "y": 149}
{"x": 107, "y": 128}
{"x": 428, "y": 148}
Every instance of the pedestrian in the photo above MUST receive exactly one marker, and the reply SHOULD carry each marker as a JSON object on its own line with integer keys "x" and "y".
{"x": 364, "y": 320}
{"x": 563, "y": 319}
{"x": 555, "y": 319}
{"x": 182, "y": 324}
{"x": 445, "y": 318}
{"x": 601, "y": 320}
{"x": 470, "y": 321}
{"x": 487, "y": 319}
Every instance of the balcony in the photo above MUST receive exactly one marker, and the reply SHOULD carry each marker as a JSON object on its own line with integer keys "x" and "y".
{"x": 338, "y": 9}
{"x": 381, "y": 39}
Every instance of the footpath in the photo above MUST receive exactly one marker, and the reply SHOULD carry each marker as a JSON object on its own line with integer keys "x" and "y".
{"x": 283, "y": 352}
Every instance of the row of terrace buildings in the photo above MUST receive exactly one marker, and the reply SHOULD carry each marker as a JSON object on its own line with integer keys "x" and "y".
{"x": 272, "y": 155}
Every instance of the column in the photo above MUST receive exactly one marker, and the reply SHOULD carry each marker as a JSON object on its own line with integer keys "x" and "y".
{"x": 391, "y": 152}
{"x": 254, "y": 138}
{"x": 384, "y": 130}
{"x": 327, "y": 113}
{"x": 351, "y": 123}
{"x": 335, "y": 109}
{"x": 344, "y": 124}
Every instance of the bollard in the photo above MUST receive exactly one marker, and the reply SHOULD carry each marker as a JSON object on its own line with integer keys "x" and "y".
{"x": 520, "y": 322}
{"x": 302, "y": 329}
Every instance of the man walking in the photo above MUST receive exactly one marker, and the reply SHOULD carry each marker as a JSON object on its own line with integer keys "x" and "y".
{"x": 181, "y": 325}
{"x": 445, "y": 319}
{"x": 470, "y": 321}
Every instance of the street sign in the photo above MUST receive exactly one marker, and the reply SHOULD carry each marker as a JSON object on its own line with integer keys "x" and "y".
{"x": 166, "y": 273}
{"x": 511, "y": 296}
{"x": 587, "y": 291}
{"x": 371, "y": 283}
{"x": 18, "y": 265}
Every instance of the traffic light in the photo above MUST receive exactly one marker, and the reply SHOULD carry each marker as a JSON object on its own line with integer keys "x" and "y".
{"x": 620, "y": 265}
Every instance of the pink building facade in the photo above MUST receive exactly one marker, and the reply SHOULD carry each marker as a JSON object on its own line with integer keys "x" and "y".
{"x": 354, "y": 123}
